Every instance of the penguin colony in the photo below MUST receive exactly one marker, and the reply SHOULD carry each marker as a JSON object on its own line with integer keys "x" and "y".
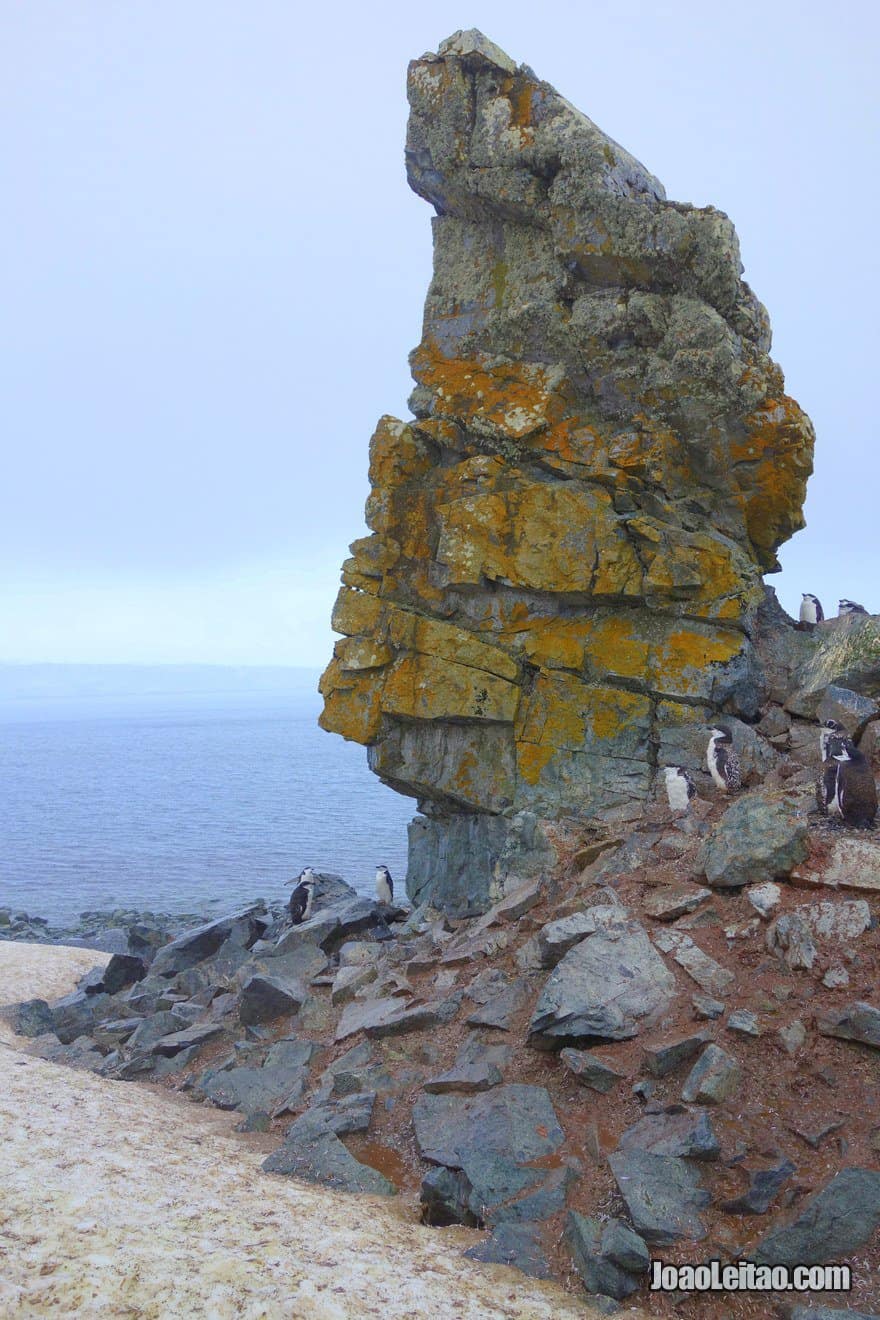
{"x": 302, "y": 900}
{"x": 846, "y": 786}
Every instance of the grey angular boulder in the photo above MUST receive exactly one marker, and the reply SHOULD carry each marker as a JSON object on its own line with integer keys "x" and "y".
{"x": 265, "y": 997}
{"x": 608, "y": 1256}
{"x": 604, "y": 988}
{"x": 492, "y": 1140}
{"x": 33, "y": 1017}
{"x": 557, "y": 937}
{"x": 714, "y": 1077}
{"x": 325, "y": 1159}
{"x": 167, "y": 1046}
{"x": 77, "y": 1014}
{"x": 268, "y": 1089}
{"x": 663, "y": 1195}
{"x": 859, "y": 1022}
{"x": 837, "y": 1221}
{"x": 123, "y": 969}
{"x": 676, "y": 1131}
{"x": 590, "y": 1070}
{"x": 764, "y": 1186}
{"x": 240, "y": 929}
{"x": 756, "y": 839}
{"x": 518, "y": 1245}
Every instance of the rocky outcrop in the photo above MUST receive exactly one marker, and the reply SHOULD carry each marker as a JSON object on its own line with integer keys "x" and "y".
{"x": 567, "y": 538}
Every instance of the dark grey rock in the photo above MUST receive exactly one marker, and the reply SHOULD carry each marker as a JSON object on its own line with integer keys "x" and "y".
{"x": 352, "y": 1113}
{"x": 590, "y": 1070}
{"x": 123, "y": 969}
{"x": 239, "y": 929}
{"x": 609, "y": 1257}
{"x": 151, "y": 1030}
{"x": 189, "y": 1039}
{"x": 757, "y": 839}
{"x": 387, "y": 1017}
{"x": 78, "y": 1014}
{"x": 518, "y": 1245}
{"x": 34, "y": 1017}
{"x": 665, "y": 1057}
{"x": 265, "y": 997}
{"x": 492, "y": 1138}
{"x": 663, "y": 1195}
{"x": 714, "y": 1077}
{"x": 325, "y": 1160}
{"x": 604, "y": 988}
{"x": 500, "y": 1010}
{"x": 764, "y": 1185}
{"x": 676, "y": 1131}
{"x": 851, "y": 709}
{"x": 837, "y": 1221}
{"x": 445, "y": 1199}
{"x": 557, "y": 937}
{"x": 858, "y": 1021}
{"x": 279, "y": 1082}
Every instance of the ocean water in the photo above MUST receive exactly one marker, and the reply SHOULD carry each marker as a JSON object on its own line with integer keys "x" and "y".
{"x": 179, "y": 789}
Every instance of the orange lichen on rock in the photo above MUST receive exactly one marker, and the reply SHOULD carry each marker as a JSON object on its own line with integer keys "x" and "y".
{"x": 772, "y": 463}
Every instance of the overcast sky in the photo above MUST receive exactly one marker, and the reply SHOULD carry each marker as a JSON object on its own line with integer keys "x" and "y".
{"x": 213, "y": 270}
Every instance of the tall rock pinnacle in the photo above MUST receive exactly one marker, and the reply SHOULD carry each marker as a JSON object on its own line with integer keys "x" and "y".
{"x": 568, "y": 539}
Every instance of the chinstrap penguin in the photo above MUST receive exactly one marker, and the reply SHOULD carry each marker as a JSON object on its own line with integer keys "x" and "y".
{"x": 680, "y": 788}
{"x": 828, "y": 730}
{"x": 302, "y": 899}
{"x": 811, "y": 609}
{"x": 845, "y": 607}
{"x": 826, "y": 785}
{"x": 856, "y": 790}
{"x": 722, "y": 760}
{"x": 384, "y": 885}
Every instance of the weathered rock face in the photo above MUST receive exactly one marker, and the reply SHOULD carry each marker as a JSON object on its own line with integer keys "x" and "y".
{"x": 568, "y": 538}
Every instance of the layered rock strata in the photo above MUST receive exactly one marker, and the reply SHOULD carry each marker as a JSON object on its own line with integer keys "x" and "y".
{"x": 567, "y": 538}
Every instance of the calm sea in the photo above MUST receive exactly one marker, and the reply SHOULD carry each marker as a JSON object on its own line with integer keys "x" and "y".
{"x": 179, "y": 789}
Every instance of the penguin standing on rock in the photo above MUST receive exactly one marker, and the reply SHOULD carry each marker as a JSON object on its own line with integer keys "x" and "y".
{"x": 811, "y": 609}
{"x": 680, "y": 788}
{"x": 384, "y": 885}
{"x": 722, "y": 760}
{"x": 856, "y": 790}
{"x": 303, "y": 897}
{"x": 845, "y": 607}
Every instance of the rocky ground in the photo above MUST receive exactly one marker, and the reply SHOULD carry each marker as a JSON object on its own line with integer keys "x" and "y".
{"x": 126, "y": 1201}
{"x": 668, "y": 1049}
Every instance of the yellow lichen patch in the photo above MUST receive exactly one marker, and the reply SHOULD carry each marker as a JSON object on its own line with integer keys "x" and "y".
{"x": 408, "y": 631}
{"x": 687, "y": 564}
{"x": 531, "y": 760}
{"x": 547, "y": 537}
{"x": 609, "y": 712}
{"x": 351, "y": 703}
{"x": 773, "y": 460}
{"x": 687, "y": 649}
{"x": 427, "y": 688}
{"x": 513, "y": 399}
{"x": 361, "y": 653}
{"x": 355, "y": 613}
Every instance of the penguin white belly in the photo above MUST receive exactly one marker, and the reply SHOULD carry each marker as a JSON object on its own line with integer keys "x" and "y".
{"x": 677, "y": 792}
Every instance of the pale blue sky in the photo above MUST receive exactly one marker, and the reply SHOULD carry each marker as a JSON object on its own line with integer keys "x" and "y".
{"x": 213, "y": 271}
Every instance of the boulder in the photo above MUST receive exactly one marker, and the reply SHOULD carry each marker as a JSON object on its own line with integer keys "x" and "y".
{"x": 846, "y": 655}
{"x": 122, "y": 970}
{"x": 557, "y": 937}
{"x": 34, "y": 1017}
{"x": 714, "y": 1077}
{"x": 609, "y": 1257}
{"x": 265, "y": 997}
{"x": 667, "y": 1055}
{"x": 77, "y": 1014}
{"x": 674, "y": 1131}
{"x": 324, "y": 1159}
{"x": 590, "y": 1070}
{"x": 667, "y": 902}
{"x": 852, "y": 864}
{"x": 387, "y": 1017}
{"x": 757, "y": 839}
{"x": 604, "y": 988}
{"x": 271, "y": 1088}
{"x": 240, "y": 929}
{"x": 518, "y": 1245}
{"x": 857, "y": 1021}
{"x": 167, "y": 1046}
{"x": 492, "y": 1140}
{"x": 833, "y": 1224}
{"x": 764, "y": 1186}
{"x": 663, "y": 1195}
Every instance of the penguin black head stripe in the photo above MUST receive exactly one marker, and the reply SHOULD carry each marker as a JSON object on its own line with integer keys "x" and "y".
{"x": 845, "y": 606}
